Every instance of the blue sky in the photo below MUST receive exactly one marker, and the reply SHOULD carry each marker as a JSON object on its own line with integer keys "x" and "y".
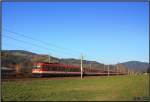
{"x": 108, "y": 32}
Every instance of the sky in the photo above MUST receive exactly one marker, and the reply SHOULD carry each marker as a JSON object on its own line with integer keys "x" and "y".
{"x": 107, "y": 32}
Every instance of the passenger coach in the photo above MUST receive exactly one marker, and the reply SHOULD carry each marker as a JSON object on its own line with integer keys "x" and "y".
{"x": 56, "y": 69}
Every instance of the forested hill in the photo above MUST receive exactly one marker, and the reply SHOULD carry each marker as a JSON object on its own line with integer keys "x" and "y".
{"x": 19, "y": 52}
{"x": 136, "y": 65}
{"x": 86, "y": 63}
{"x": 9, "y": 58}
{"x": 25, "y": 58}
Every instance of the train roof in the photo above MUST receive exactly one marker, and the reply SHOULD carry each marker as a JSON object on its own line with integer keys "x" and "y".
{"x": 46, "y": 62}
{"x": 72, "y": 66}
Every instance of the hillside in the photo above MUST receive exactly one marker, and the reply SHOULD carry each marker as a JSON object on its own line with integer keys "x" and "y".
{"x": 19, "y": 52}
{"x": 136, "y": 65}
{"x": 10, "y": 58}
{"x": 86, "y": 63}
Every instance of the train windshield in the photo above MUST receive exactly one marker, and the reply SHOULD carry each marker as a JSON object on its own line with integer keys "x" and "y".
{"x": 36, "y": 66}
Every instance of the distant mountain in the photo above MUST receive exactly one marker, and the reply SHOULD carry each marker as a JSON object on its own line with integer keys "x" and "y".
{"x": 136, "y": 65}
{"x": 86, "y": 63}
{"x": 19, "y": 52}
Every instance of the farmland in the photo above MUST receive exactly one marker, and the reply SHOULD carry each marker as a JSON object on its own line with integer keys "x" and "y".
{"x": 93, "y": 88}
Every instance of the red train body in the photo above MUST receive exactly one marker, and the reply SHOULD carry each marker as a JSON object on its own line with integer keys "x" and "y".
{"x": 47, "y": 69}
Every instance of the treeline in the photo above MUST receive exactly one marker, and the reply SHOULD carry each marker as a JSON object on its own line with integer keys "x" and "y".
{"x": 10, "y": 60}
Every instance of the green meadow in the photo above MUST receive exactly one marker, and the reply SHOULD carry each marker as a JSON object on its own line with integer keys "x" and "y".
{"x": 92, "y": 88}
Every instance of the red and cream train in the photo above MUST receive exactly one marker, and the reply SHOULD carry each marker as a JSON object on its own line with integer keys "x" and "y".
{"x": 55, "y": 69}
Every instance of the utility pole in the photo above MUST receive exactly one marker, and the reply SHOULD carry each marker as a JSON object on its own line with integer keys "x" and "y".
{"x": 116, "y": 69}
{"x": 104, "y": 67}
{"x": 90, "y": 66}
{"x": 18, "y": 68}
{"x": 49, "y": 58}
{"x": 128, "y": 71}
{"x": 81, "y": 66}
{"x": 108, "y": 70}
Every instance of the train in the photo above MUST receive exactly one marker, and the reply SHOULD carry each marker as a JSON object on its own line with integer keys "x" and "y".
{"x": 42, "y": 69}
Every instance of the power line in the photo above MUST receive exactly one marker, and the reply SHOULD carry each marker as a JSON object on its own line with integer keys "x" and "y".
{"x": 18, "y": 46}
{"x": 29, "y": 43}
{"x": 25, "y": 48}
{"x": 56, "y": 46}
{"x": 45, "y": 43}
{"x": 76, "y": 53}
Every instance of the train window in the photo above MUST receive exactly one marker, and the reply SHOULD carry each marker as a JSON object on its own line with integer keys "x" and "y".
{"x": 49, "y": 68}
{"x": 44, "y": 66}
{"x": 73, "y": 69}
{"x": 58, "y": 68}
{"x": 62, "y": 69}
{"x": 36, "y": 66}
{"x": 67, "y": 69}
{"x": 76, "y": 69}
{"x": 54, "y": 68}
{"x": 70, "y": 69}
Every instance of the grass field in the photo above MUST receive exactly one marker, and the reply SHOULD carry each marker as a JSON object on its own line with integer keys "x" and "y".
{"x": 96, "y": 88}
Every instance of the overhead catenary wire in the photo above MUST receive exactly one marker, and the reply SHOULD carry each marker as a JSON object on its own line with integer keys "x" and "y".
{"x": 43, "y": 49}
{"x": 54, "y": 51}
{"x": 35, "y": 53}
{"x": 19, "y": 46}
{"x": 25, "y": 42}
{"x": 43, "y": 42}
{"x": 65, "y": 51}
